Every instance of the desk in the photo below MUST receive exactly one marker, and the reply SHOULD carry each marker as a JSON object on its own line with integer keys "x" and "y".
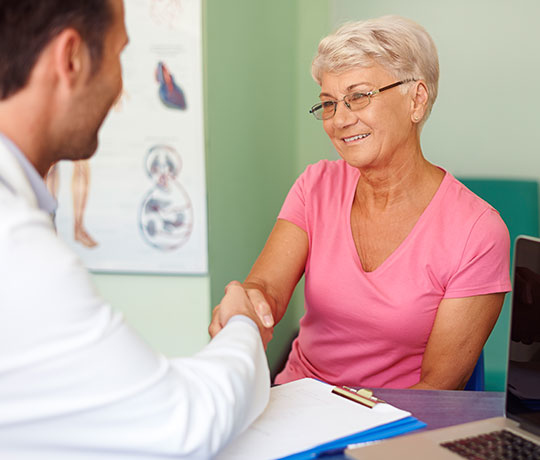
{"x": 442, "y": 408}
{"x": 436, "y": 408}
{"x": 445, "y": 408}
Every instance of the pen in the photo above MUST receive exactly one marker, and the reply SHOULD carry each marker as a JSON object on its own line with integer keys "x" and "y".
{"x": 362, "y": 396}
{"x": 364, "y": 392}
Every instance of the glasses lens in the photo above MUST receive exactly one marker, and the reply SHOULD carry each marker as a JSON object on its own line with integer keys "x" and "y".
{"x": 357, "y": 101}
{"x": 328, "y": 108}
{"x": 323, "y": 110}
{"x": 316, "y": 110}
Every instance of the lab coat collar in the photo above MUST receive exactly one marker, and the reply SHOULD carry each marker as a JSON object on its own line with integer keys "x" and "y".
{"x": 13, "y": 175}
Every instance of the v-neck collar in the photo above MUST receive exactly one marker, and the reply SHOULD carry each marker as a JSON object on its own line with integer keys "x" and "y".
{"x": 402, "y": 246}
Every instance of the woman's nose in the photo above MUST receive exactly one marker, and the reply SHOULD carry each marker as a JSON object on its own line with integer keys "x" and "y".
{"x": 344, "y": 116}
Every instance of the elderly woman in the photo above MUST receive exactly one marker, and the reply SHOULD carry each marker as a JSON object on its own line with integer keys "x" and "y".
{"x": 405, "y": 268}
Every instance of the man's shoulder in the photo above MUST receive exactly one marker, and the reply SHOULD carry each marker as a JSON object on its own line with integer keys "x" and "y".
{"x": 12, "y": 175}
{"x": 19, "y": 219}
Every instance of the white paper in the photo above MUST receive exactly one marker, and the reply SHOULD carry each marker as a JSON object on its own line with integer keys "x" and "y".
{"x": 302, "y": 415}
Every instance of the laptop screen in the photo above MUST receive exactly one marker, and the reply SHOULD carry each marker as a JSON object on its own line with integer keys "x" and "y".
{"x": 523, "y": 382}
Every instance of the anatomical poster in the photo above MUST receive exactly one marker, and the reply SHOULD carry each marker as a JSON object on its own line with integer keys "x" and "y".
{"x": 139, "y": 204}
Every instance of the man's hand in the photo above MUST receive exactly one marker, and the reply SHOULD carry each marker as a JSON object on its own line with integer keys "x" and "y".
{"x": 237, "y": 302}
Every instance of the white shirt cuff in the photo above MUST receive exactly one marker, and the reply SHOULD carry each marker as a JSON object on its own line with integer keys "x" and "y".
{"x": 243, "y": 319}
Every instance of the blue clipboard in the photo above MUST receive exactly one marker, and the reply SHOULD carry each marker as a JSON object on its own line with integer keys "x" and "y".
{"x": 337, "y": 446}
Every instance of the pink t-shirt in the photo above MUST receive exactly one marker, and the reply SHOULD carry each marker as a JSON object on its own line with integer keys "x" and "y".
{"x": 371, "y": 328}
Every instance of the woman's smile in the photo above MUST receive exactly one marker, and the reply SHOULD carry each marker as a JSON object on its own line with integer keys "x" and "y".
{"x": 355, "y": 138}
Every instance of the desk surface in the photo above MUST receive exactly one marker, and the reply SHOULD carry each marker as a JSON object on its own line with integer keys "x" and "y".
{"x": 436, "y": 408}
{"x": 442, "y": 408}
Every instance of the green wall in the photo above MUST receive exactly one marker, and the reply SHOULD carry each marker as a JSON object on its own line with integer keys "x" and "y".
{"x": 259, "y": 137}
{"x": 170, "y": 312}
{"x": 249, "y": 126}
{"x": 257, "y": 79}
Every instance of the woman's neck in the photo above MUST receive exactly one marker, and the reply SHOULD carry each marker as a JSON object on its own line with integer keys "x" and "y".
{"x": 409, "y": 182}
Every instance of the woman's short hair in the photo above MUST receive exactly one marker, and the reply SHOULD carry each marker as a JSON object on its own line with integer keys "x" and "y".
{"x": 400, "y": 45}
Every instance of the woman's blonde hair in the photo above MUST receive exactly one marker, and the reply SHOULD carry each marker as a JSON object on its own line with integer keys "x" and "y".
{"x": 400, "y": 45}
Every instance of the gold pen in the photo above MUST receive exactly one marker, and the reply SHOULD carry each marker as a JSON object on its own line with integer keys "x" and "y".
{"x": 362, "y": 396}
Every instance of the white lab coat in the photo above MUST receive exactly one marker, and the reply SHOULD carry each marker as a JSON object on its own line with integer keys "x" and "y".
{"x": 76, "y": 380}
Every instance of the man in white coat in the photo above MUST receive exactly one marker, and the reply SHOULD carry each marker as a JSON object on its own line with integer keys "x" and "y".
{"x": 75, "y": 381}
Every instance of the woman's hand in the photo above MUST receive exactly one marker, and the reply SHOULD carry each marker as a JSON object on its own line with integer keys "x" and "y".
{"x": 237, "y": 302}
{"x": 274, "y": 276}
{"x": 260, "y": 304}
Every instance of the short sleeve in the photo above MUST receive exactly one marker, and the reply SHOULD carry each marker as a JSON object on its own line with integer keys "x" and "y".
{"x": 294, "y": 207}
{"x": 484, "y": 267}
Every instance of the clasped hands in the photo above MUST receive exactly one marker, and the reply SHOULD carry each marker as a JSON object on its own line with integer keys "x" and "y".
{"x": 242, "y": 300}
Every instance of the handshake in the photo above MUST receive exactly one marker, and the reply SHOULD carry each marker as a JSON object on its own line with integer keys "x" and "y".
{"x": 240, "y": 299}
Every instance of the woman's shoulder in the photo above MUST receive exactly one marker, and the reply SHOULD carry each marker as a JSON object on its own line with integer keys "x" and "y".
{"x": 458, "y": 192}
{"x": 329, "y": 172}
{"x": 324, "y": 187}
{"x": 462, "y": 228}
{"x": 466, "y": 206}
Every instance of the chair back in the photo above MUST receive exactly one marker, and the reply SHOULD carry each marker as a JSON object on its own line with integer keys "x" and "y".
{"x": 477, "y": 380}
{"x": 517, "y": 203}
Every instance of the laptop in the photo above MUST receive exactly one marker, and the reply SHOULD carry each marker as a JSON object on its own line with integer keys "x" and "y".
{"x": 520, "y": 426}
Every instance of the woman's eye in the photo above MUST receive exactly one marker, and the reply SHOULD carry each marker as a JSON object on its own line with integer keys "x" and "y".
{"x": 357, "y": 96}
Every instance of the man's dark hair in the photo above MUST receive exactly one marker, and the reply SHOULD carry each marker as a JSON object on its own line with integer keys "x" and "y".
{"x": 28, "y": 26}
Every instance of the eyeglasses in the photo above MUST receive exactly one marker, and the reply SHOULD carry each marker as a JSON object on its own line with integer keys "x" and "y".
{"x": 325, "y": 110}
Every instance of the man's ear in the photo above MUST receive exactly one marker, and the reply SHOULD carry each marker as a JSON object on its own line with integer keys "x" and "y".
{"x": 71, "y": 58}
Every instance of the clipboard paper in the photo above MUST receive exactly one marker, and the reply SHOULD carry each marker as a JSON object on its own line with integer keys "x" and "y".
{"x": 304, "y": 418}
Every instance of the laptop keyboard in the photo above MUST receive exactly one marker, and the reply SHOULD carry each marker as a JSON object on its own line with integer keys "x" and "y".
{"x": 496, "y": 445}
